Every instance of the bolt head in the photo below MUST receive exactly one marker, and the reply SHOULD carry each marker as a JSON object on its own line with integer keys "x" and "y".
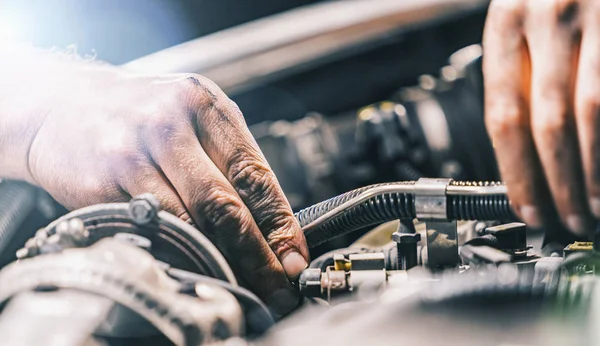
{"x": 405, "y": 238}
{"x": 143, "y": 209}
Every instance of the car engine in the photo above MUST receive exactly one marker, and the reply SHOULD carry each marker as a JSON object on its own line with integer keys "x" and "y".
{"x": 412, "y": 237}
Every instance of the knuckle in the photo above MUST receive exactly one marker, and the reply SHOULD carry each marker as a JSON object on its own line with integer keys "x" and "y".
{"x": 256, "y": 184}
{"x": 252, "y": 178}
{"x": 554, "y": 93}
{"x": 546, "y": 5}
{"x": 199, "y": 85}
{"x": 201, "y": 89}
{"x": 506, "y": 7}
{"x": 504, "y": 118}
{"x": 218, "y": 208}
{"x": 552, "y": 121}
{"x": 204, "y": 94}
{"x": 162, "y": 128}
{"x": 558, "y": 11}
{"x": 282, "y": 238}
{"x": 549, "y": 125}
{"x": 125, "y": 158}
{"x": 504, "y": 14}
{"x": 93, "y": 191}
{"x": 123, "y": 154}
{"x": 92, "y": 187}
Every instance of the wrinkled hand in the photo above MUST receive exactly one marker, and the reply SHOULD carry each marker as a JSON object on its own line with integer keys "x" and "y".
{"x": 113, "y": 136}
{"x": 542, "y": 85}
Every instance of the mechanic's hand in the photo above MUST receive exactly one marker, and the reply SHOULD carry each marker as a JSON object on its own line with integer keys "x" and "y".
{"x": 107, "y": 136}
{"x": 542, "y": 84}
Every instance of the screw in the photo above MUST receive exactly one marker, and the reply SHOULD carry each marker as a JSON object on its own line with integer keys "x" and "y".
{"x": 406, "y": 238}
{"x": 406, "y": 244}
{"x": 143, "y": 208}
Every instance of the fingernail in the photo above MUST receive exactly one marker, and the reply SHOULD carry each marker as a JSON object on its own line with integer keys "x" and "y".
{"x": 293, "y": 264}
{"x": 595, "y": 206}
{"x": 283, "y": 301}
{"x": 531, "y": 216}
{"x": 577, "y": 225}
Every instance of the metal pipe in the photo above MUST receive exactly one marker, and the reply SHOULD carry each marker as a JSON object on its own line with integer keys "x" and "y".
{"x": 286, "y": 43}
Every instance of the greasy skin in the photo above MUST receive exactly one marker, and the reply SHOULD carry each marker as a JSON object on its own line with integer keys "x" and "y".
{"x": 104, "y": 135}
{"x": 542, "y": 103}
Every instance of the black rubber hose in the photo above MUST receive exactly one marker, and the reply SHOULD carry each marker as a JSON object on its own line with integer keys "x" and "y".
{"x": 17, "y": 200}
{"x": 392, "y": 206}
{"x": 379, "y": 209}
{"x": 481, "y": 208}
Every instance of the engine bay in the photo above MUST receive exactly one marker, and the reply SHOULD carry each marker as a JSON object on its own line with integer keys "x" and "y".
{"x": 411, "y": 233}
{"x": 448, "y": 264}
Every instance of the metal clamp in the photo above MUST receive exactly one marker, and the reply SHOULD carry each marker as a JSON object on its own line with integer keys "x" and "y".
{"x": 431, "y": 207}
{"x": 430, "y": 199}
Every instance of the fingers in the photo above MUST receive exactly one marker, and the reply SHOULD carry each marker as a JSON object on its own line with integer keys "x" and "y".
{"x": 148, "y": 179}
{"x": 541, "y": 106}
{"x": 227, "y": 141}
{"x": 553, "y": 38}
{"x": 220, "y": 213}
{"x": 587, "y": 104}
{"x": 506, "y": 69}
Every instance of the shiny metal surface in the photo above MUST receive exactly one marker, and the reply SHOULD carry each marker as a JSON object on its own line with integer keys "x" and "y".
{"x": 273, "y": 47}
{"x": 430, "y": 198}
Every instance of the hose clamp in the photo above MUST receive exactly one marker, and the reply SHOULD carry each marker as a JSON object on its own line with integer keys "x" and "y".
{"x": 430, "y": 199}
{"x": 442, "y": 237}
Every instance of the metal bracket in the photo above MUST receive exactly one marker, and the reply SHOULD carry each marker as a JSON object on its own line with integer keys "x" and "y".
{"x": 442, "y": 237}
{"x": 430, "y": 199}
{"x": 442, "y": 244}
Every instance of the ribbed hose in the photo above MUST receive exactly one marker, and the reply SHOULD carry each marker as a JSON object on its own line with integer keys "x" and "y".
{"x": 481, "y": 207}
{"x": 392, "y": 206}
{"x": 17, "y": 200}
{"x": 374, "y": 211}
